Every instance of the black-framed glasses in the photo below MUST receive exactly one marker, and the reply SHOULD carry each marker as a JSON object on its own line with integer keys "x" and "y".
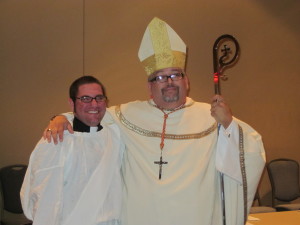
{"x": 88, "y": 99}
{"x": 164, "y": 78}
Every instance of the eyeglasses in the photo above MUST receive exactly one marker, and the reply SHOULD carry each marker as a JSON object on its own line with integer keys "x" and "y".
{"x": 164, "y": 78}
{"x": 88, "y": 99}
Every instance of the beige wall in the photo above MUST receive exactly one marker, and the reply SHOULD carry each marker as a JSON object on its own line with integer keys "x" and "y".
{"x": 44, "y": 47}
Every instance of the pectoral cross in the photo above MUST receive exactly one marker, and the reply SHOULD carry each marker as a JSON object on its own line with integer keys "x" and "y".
{"x": 160, "y": 163}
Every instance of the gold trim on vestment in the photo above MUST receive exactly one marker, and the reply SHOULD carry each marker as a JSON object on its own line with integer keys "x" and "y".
{"x": 243, "y": 171}
{"x": 149, "y": 133}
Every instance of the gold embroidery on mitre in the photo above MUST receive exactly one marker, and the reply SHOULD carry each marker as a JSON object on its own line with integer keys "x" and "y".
{"x": 149, "y": 133}
{"x": 161, "y": 61}
{"x": 159, "y": 36}
{"x": 164, "y": 56}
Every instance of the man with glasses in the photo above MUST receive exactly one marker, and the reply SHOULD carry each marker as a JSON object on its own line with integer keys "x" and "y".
{"x": 176, "y": 148}
{"x": 78, "y": 181}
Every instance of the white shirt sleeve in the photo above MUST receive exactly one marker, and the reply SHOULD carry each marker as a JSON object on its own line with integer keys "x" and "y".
{"x": 69, "y": 116}
{"x": 42, "y": 189}
{"x": 227, "y": 156}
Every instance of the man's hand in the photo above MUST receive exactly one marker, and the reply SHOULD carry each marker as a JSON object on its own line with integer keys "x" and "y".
{"x": 221, "y": 111}
{"x": 56, "y": 129}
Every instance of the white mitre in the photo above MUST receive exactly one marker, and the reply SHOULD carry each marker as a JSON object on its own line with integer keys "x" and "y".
{"x": 161, "y": 47}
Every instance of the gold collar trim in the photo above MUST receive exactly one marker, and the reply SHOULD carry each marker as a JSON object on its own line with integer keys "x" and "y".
{"x": 149, "y": 133}
{"x": 184, "y": 105}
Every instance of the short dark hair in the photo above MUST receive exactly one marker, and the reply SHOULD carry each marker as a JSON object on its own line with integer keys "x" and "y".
{"x": 73, "y": 91}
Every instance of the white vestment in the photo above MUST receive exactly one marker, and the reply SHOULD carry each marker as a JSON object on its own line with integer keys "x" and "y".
{"x": 76, "y": 182}
{"x": 189, "y": 190}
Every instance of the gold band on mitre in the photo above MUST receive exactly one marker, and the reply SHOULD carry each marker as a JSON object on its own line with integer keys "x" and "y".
{"x": 161, "y": 61}
{"x": 161, "y": 48}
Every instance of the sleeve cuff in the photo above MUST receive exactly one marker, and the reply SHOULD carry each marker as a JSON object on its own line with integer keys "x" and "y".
{"x": 227, "y": 156}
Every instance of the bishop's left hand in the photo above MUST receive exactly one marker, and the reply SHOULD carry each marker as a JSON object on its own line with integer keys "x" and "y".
{"x": 221, "y": 111}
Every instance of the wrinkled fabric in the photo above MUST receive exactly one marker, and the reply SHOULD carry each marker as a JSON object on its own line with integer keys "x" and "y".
{"x": 189, "y": 190}
{"x": 75, "y": 182}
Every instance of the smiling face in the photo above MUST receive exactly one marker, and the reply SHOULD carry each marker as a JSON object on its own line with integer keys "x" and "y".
{"x": 169, "y": 94}
{"x": 89, "y": 113}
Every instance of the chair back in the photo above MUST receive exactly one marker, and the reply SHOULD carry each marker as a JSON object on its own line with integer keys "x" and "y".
{"x": 284, "y": 178}
{"x": 11, "y": 178}
{"x": 257, "y": 198}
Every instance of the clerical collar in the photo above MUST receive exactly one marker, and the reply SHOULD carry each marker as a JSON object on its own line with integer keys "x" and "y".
{"x": 81, "y": 127}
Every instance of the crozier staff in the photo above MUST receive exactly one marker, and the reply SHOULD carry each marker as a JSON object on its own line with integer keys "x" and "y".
{"x": 219, "y": 64}
{"x": 173, "y": 153}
